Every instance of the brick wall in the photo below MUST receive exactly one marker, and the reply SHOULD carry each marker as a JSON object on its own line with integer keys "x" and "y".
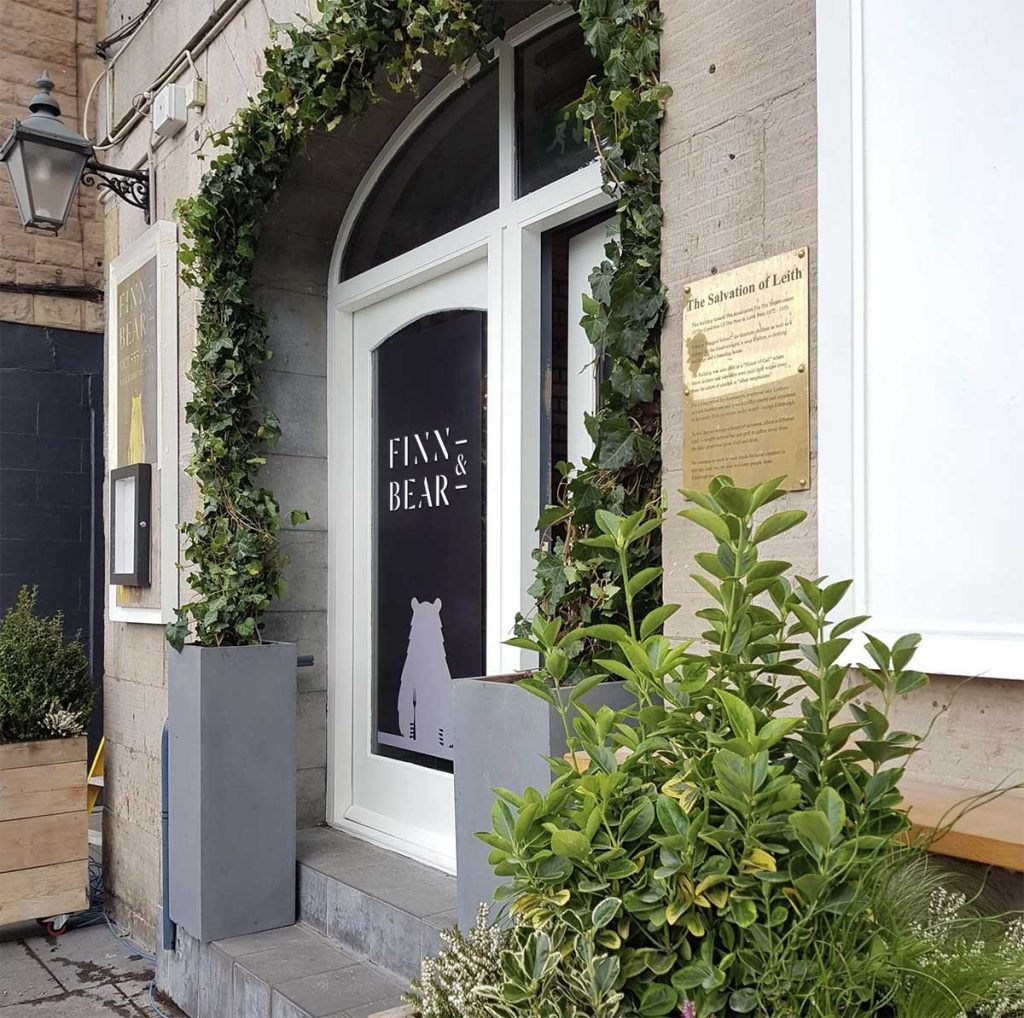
{"x": 51, "y": 477}
{"x": 36, "y": 268}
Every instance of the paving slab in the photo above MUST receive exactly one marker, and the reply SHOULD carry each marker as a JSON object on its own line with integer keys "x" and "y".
{"x": 392, "y": 1006}
{"x": 251, "y": 943}
{"x": 333, "y": 852}
{"x": 88, "y": 972}
{"x": 343, "y": 989}
{"x": 373, "y": 903}
{"x": 290, "y": 961}
{"x": 23, "y": 976}
{"x": 90, "y": 1002}
{"x": 92, "y": 955}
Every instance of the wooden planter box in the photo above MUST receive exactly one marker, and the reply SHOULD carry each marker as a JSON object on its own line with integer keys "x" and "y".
{"x": 44, "y": 839}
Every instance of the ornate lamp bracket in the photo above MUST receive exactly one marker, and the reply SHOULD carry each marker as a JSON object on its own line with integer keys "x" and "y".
{"x": 131, "y": 186}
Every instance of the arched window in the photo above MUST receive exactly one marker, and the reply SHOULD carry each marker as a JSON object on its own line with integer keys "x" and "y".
{"x": 459, "y": 377}
{"x": 445, "y": 175}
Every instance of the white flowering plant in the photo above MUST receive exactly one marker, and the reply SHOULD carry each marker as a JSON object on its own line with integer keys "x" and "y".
{"x": 966, "y": 964}
{"x": 449, "y": 981}
{"x": 516, "y": 972}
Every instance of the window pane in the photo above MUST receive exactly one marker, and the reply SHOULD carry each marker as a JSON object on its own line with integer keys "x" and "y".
{"x": 444, "y": 177}
{"x": 551, "y": 72}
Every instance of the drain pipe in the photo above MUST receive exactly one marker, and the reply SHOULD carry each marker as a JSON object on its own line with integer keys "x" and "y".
{"x": 168, "y": 930}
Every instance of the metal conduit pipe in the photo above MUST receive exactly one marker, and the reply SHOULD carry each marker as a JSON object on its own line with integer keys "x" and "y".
{"x": 168, "y": 930}
{"x": 185, "y": 57}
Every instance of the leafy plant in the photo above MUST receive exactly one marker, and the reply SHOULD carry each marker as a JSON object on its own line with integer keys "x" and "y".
{"x": 328, "y": 73}
{"x": 738, "y": 803}
{"x": 509, "y": 972}
{"x": 552, "y": 974}
{"x": 45, "y": 689}
{"x": 331, "y": 71}
{"x": 622, "y": 315}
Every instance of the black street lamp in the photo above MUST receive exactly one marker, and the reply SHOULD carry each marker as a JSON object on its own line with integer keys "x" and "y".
{"x": 47, "y": 161}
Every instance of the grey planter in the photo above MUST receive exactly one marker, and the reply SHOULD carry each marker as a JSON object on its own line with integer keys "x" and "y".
{"x": 503, "y": 733}
{"x": 231, "y": 785}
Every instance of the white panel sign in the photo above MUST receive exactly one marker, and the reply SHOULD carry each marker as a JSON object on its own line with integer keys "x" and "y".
{"x": 921, "y": 322}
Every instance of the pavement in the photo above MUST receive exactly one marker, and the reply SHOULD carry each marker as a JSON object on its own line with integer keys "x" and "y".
{"x": 88, "y": 972}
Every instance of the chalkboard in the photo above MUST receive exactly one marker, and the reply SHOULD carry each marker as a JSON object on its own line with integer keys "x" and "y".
{"x": 429, "y": 529}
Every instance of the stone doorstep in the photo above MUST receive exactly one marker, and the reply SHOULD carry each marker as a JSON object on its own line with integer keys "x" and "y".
{"x": 372, "y": 902}
{"x": 367, "y": 917}
{"x": 292, "y": 972}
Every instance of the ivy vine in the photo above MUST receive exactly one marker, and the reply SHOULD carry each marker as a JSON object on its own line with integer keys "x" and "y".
{"x": 623, "y": 313}
{"x": 329, "y": 71}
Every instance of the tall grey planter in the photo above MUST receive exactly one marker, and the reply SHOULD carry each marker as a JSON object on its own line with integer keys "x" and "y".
{"x": 502, "y": 733}
{"x": 231, "y": 788}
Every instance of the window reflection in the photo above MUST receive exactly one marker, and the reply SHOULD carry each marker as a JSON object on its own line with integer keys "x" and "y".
{"x": 445, "y": 176}
{"x": 551, "y": 73}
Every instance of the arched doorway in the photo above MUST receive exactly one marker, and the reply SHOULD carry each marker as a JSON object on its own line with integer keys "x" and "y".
{"x": 455, "y": 379}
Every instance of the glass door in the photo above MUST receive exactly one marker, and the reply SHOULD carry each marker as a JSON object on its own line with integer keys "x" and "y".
{"x": 419, "y": 557}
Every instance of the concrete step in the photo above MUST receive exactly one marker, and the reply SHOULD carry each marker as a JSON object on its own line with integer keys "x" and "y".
{"x": 292, "y": 972}
{"x": 371, "y": 902}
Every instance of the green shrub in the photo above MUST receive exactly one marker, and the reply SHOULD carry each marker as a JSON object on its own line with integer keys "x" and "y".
{"x": 45, "y": 689}
{"x": 745, "y": 835}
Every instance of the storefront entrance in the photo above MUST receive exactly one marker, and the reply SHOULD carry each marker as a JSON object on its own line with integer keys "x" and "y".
{"x": 457, "y": 379}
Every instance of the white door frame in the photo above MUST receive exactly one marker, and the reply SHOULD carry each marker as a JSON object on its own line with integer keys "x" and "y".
{"x": 510, "y": 240}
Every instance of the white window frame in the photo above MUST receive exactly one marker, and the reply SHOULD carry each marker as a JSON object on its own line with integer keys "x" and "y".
{"x": 843, "y": 531}
{"x": 510, "y": 239}
{"x": 160, "y": 241}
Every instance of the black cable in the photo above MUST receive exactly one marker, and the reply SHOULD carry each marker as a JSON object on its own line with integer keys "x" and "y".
{"x": 118, "y": 34}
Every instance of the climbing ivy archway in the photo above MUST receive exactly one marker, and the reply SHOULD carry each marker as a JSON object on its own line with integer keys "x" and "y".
{"x": 331, "y": 71}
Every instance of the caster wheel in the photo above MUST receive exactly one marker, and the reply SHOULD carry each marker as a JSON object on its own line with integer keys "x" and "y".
{"x": 55, "y": 927}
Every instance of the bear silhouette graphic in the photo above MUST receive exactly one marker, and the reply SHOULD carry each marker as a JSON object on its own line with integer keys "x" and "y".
{"x": 425, "y": 692}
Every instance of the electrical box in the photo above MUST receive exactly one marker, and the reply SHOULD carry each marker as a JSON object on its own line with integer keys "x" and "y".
{"x": 195, "y": 94}
{"x": 169, "y": 110}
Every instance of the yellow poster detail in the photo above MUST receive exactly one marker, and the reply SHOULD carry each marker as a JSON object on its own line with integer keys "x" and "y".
{"x": 136, "y": 367}
{"x": 136, "y": 384}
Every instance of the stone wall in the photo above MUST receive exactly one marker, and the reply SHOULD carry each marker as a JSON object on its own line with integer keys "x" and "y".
{"x": 47, "y": 280}
{"x": 136, "y": 682}
{"x": 58, "y": 36}
{"x": 739, "y": 165}
{"x": 291, "y": 286}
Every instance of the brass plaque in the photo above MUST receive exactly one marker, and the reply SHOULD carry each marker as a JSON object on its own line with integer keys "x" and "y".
{"x": 745, "y": 371}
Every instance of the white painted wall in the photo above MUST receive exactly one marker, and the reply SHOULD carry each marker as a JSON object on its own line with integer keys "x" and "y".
{"x": 921, "y": 322}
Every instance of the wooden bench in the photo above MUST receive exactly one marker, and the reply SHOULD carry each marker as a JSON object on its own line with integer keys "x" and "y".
{"x": 991, "y": 833}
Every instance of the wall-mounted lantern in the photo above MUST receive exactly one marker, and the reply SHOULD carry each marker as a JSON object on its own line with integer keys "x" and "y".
{"x": 130, "y": 525}
{"x": 47, "y": 161}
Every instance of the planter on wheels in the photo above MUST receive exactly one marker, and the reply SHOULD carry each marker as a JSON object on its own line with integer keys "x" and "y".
{"x": 502, "y": 734}
{"x": 44, "y": 829}
{"x": 231, "y": 788}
